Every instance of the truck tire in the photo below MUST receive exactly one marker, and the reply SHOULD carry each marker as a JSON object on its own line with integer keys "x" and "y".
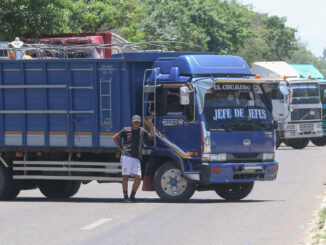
{"x": 59, "y": 188}
{"x": 278, "y": 143}
{"x": 9, "y": 188}
{"x": 298, "y": 144}
{"x": 75, "y": 186}
{"x": 170, "y": 185}
{"x": 319, "y": 141}
{"x": 278, "y": 140}
{"x": 234, "y": 191}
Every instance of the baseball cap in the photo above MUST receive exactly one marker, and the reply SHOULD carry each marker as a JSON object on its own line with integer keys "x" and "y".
{"x": 136, "y": 118}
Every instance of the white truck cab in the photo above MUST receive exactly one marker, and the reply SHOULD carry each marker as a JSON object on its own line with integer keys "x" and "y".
{"x": 302, "y": 120}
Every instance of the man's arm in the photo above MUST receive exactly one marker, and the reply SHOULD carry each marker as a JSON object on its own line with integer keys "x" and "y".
{"x": 116, "y": 139}
{"x": 151, "y": 133}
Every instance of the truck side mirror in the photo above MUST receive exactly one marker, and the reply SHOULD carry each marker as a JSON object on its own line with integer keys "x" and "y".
{"x": 284, "y": 90}
{"x": 184, "y": 96}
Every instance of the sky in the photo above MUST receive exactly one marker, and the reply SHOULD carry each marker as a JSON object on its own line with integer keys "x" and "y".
{"x": 307, "y": 16}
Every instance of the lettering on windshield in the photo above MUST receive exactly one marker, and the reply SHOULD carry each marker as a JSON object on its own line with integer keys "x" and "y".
{"x": 231, "y": 87}
{"x": 239, "y": 113}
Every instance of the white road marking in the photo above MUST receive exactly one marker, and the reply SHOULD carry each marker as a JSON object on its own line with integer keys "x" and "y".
{"x": 95, "y": 224}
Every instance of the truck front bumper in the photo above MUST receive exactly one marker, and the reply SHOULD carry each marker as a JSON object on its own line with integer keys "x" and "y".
{"x": 238, "y": 172}
{"x": 302, "y": 130}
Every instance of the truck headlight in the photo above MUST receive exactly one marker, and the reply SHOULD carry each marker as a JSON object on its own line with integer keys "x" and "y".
{"x": 268, "y": 156}
{"x": 214, "y": 157}
{"x": 291, "y": 127}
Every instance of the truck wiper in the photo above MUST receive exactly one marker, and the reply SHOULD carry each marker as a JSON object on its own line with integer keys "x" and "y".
{"x": 227, "y": 129}
{"x": 305, "y": 115}
{"x": 251, "y": 125}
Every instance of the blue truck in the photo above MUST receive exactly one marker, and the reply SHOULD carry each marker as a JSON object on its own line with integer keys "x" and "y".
{"x": 310, "y": 71}
{"x": 213, "y": 121}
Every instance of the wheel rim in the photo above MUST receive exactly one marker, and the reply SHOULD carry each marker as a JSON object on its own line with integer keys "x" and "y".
{"x": 173, "y": 183}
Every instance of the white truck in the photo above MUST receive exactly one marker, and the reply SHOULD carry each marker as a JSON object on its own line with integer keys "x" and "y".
{"x": 302, "y": 121}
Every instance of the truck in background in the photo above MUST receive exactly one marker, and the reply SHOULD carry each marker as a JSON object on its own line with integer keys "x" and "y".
{"x": 309, "y": 71}
{"x": 110, "y": 42}
{"x": 67, "y": 45}
{"x": 214, "y": 128}
{"x": 303, "y": 120}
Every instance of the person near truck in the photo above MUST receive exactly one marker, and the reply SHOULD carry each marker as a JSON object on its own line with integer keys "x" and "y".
{"x": 132, "y": 138}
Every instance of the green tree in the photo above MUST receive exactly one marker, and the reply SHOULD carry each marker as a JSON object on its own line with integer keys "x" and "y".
{"x": 304, "y": 56}
{"x": 272, "y": 40}
{"x": 98, "y": 15}
{"x": 25, "y": 17}
{"x": 215, "y": 25}
{"x": 279, "y": 38}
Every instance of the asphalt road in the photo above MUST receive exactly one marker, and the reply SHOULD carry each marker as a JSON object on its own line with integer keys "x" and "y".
{"x": 277, "y": 212}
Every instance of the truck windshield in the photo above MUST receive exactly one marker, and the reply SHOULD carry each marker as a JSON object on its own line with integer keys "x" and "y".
{"x": 236, "y": 107}
{"x": 305, "y": 94}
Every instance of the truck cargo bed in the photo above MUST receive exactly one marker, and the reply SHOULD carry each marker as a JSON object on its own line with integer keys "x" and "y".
{"x": 65, "y": 104}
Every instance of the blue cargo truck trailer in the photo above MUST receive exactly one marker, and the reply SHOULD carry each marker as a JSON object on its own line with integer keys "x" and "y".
{"x": 213, "y": 121}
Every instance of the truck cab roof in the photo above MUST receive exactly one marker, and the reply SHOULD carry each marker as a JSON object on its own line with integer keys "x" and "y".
{"x": 306, "y": 71}
{"x": 185, "y": 65}
{"x": 280, "y": 70}
{"x": 274, "y": 69}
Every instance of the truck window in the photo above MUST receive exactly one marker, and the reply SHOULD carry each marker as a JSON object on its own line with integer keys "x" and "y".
{"x": 277, "y": 95}
{"x": 159, "y": 103}
{"x": 173, "y": 106}
{"x": 168, "y": 104}
{"x": 323, "y": 94}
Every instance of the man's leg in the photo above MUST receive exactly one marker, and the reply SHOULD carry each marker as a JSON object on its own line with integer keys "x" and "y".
{"x": 125, "y": 186}
{"x": 126, "y": 168}
{"x": 136, "y": 183}
{"x": 136, "y": 171}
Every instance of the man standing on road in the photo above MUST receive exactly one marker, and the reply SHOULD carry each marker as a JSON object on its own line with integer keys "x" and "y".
{"x": 133, "y": 138}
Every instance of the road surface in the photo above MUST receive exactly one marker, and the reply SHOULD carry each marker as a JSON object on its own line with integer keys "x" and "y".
{"x": 277, "y": 212}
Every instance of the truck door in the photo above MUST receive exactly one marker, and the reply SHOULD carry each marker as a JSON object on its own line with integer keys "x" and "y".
{"x": 279, "y": 105}
{"x": 177, "y": 126}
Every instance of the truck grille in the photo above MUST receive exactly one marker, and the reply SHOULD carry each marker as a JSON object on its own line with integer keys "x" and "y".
{"x": 248, "y": 157}
{"x": 244, "y": 155}
{"x": 307, "y": 127}
{"x": 305, "y": 114}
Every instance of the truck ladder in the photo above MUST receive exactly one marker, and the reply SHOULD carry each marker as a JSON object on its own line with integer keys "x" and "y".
{"x": 149, "y": 89}
{"x": 106, "y": 111}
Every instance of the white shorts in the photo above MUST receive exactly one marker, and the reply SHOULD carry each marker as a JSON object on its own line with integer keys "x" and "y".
{"x": 130, "y": 166}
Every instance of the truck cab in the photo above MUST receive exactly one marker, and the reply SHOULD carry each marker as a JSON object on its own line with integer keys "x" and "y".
{"x": 301, "y": 120}
{"x": 214, "y": 127}
{"x": 309, "y": 71}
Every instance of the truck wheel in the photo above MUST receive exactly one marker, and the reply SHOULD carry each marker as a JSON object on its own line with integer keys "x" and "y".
{"x": 75, "y": 186}
{"x": 278, "y": 143}
{"x": 234, "y": 191}
{"x": 298, "y": 144}
{"x": 170, "y": 185}
{"x": 319, "y": 141}
{"x": 59, "y": 188}
{"x": 9, "y": 188}
{"x": 278, "y": 140}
